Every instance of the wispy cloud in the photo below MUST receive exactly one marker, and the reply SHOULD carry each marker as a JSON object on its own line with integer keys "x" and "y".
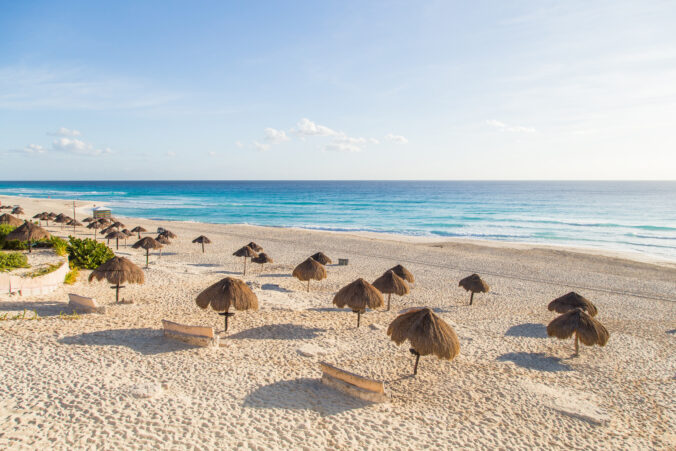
{"x": 305, "y": 127}
{"x": 396, "y": 138}
{"x": 275, "y": 136}
{"x": 78, "y": 147}
{"x": 261, "y": 146}
{"x": 509, "y": 128}
{"x": 63, "y": 131}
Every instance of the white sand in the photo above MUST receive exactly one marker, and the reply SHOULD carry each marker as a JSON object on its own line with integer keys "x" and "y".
{"x": 112, "y": 381}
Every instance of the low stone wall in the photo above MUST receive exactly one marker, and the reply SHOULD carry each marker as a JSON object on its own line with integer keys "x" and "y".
{"x": 27, "y": 286}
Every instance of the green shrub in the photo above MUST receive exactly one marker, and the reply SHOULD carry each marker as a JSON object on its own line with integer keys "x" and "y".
{"x": 5, "y": 229}
{"x": 59, "y": 245}
{"x": 12, "y": 260}
{"x": 87, "y": 253}
{"x": 71, "y": 276}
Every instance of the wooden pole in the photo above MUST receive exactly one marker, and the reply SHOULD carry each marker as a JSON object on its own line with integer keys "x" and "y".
{"x": 147, "y": 253}
{"x": 415, "y": 368}
{"x": 358, "y": 317}
{"x": 471, "y": 298}
{"x": 117, "y": 293}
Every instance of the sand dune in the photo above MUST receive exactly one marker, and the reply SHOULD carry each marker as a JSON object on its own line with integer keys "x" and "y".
{"x": 112, "y": 381}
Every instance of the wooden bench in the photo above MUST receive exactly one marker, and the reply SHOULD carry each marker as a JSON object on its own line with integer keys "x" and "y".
{"x": 353, "y": 384}
{"x": 343, "y": 261}
{"x": 194, "y": 335}
{"x": 84, "y": 304}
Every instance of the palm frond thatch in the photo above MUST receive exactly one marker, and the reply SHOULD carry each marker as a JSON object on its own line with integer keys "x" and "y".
{"x": 310, "y": 269}
{"x": 358, "y": 295}
{"x": 227, "y": 293}
{"x": 389, "y": 284}
{"x": 245, "y": 251}
{"x": 255, "y": 247}
{"x": 321, "y": 258}
{"x": 262, "y": 259}
{"x": 427, "y": 333}
{"x": 27, "y": 232}
{"x": 118, "y": 270}
{"x": 474, "y": 284}
{"x": 202, "y": 240}
{"x": 168, "y": 234}
{"x": 403, "y": 273}
{"x": 571, "y": 301}
{"x": 577, "y": 322}
{"x": 17, "y": 211}
{"x": 10, "y": 220}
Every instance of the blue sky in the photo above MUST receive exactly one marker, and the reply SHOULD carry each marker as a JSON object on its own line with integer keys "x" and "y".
{"x": 338, "y": 90}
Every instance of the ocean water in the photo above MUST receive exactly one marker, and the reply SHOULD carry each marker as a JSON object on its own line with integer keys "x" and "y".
{"x": 626, "y": 216}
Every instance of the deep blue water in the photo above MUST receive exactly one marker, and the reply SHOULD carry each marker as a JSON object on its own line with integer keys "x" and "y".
{"x": 634, "y": 216}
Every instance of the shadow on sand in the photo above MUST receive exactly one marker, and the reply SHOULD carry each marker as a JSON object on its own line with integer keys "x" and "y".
{"x": 145, "y": 341}
{"x": 328, "y": 309}
{"x": 275, "y": 287}
{"x": 43, "y": 308}
{"x": 274, "y": 275}
{"x": 527, "y": 330}
{"x": 278, "y": 332}
{"x": 535, "y": 361}
{"x": 303, "y": 394}
{"x": 205, "y": 265}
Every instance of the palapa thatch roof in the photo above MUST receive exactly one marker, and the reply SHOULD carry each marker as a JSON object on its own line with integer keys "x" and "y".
{"x": 427, "y": 333}
{"x": 116, "y": 235}
{"x": 74, "y": 222}
{"x": 390, "y": 283}
{"x": 403, "y": 273}
{"x": 358, "y": 295}
{"x": 61, "y": 218}
{"x": 262, "y": 258}
{"x": 321, "y": 258}
{"x": 94, "y": 225}
{"x": 589, "y": 331}
{"x": 37, "y": 216}
{"x": 570, "y": 302}
{"x": 138, "y": 229}
{"x": 17, "y": 211}
{"x": 118, "y": 270}
{"x": 146, "y": 243}
{"x": 168, "y": 234}
{"x": 245, "y": 251}
{"x": 202, "y": 239}
{"x": 310, "y": 269}
{"x": 127, "y": 232}
{"x": 255, "y": 247}
{"x": 52, "y": 215}
{"x": 27, "y": 232}
{"x": 227, "y": 293}
{"x": 474, "y": 283}
{"x": 162, "y": 239}
{"x": 88, "y": 219}
{"x": 10, "y": 220}
{"x": 109, "y": 229}
{"x": 117, "y": 224}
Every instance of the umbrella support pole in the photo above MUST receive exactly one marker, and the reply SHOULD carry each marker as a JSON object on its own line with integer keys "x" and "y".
{"x": 577, "y": 345}
{"x": 147, "y": 253}
{"x": 471, "y": 298}
{"x": 117, "y": 291}
{"x": 202, "y": 246}
{"x": 358, "y": 318}
{"x": 225, "y": 315}
{"x": 117, "y": 244}
{"x": 417, "y": 359}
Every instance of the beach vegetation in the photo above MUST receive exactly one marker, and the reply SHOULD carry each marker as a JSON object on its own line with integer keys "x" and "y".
{"x": 87, "y": 253}
{"x": 69, "y": 316}
{"x": 20, "y": 316}
{"x": 59, "y": 245}
{"x": 44, "y": 270}
{"x": 12, "y": 260}
{"x": 72, "y": 276}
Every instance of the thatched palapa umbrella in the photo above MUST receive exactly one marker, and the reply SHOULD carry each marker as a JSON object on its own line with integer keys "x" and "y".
{"x": 262, "y": 259}
{"x": 118, "y": 270}
{"x": 168, "y": 234}
{"x": 310, "y": 269}
{"x": 390, "y": 283}
{"x": 202, "y": 240}
{"x": 147, "y": 243}
{"x": 138, "y": 229}
{"x": 475, "y": 284}
{"x": 28, "y": 232}
{"x": 403, "y": 273}
{"x": 61, "y": 219}
{"x": 358, "y": 296}
{"x": 227, "y": 293}
{"x": 115, "y": 235}
{"x": 88, "y": 219}
{"x": 427, "y": 333}
{"x": 586, "y": 329}
{"x": 322, "y": 258}
{"x": 10, "y": 220}
{"x": 52, "y": 215}
{"x": 255, "y": 247}
{"x": 18, "y": 211}
{"x": 245, "y": 252}
{"x": 94, "y": 225}
{"x": 74, "y": 223}
{"x": 571, "y": 301}
{"x": 44, "y": 216}
{"x": 163, "y": 240}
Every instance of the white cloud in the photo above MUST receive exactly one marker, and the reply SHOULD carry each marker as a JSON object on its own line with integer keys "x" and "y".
{"x": 305, "y": 127}
{"x": 275, "y": 136}
{"x": 509, "y": 128}
{"x": 212, "y": 154}
{"x": 77, "y": 146}
{"x": 34, "y": 149}
{"x": 63, "y": 131}
{"x": 396, "y": 138}
{"x": 239, "y": 144}
{"x": 261, "y": 146}
{"x": 171, "y": 154}
{"x": 341, "y": 147}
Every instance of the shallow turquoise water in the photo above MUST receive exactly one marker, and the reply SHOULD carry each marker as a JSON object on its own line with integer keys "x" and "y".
{"x": 634, "y": 216}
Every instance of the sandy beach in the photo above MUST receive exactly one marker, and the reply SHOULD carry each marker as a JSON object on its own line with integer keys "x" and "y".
{"x": 112, "y": 381}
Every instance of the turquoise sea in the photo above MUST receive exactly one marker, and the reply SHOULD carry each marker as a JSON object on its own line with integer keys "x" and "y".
{"x": 627, "y": 216}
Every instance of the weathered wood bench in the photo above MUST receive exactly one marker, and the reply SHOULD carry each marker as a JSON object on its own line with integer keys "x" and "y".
{"x": 84, "y": 304}
{"x": 194, "y": 335}
{"x": 353, "y": 384}
{"x": 343, "y": 261}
